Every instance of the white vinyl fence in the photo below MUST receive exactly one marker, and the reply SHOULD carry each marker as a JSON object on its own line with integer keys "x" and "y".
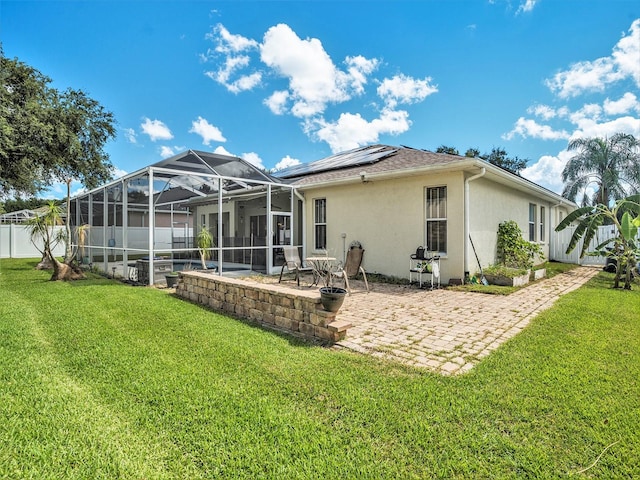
{"x": 563, "y": 238}
{"x": 15, "y": 242}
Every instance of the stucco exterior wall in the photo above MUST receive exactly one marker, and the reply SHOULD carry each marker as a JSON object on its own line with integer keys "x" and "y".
{"x": 388, "y": 218}
{"x": 492, "y": 203}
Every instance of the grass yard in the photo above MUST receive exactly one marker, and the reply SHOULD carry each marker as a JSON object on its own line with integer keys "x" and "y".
{"x": 103, "y": 380}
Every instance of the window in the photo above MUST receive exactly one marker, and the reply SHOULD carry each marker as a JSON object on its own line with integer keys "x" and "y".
{"x": 542, "y": 225}
{"x": 532, "y": 222}
{"x": 436, "y": 219}
{"x": 320, "y": 224}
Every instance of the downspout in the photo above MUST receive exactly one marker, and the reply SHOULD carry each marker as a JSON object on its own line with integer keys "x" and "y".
{"x": 466, "y": 218}
{"x": 553, "y": 245}
{"x": 303, "y": 220}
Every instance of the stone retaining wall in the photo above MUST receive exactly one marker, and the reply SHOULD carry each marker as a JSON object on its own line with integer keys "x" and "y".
{"x": 296, "y": 311}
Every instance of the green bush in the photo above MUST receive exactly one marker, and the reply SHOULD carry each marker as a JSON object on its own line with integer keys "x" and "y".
{"x": 513, "y": 250}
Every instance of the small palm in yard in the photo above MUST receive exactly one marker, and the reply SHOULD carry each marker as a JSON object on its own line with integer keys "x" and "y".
{"x": 205, "y": 243}
{"x": 624, "y": 248}
{"x": 44, "y": 228}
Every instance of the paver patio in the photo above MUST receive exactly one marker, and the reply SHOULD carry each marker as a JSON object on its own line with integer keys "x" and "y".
{"x": 445, "y": 331}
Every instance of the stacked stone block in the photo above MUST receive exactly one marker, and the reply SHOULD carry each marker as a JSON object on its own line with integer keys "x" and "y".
{"x": 296, "y": 311}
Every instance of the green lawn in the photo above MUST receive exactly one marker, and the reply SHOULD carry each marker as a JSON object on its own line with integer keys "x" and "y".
{"x": 103, "y": 380}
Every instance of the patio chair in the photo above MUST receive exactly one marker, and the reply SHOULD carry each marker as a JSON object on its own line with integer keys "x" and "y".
{"x": 292, "y": 263}
{"x": 352, "y": 265}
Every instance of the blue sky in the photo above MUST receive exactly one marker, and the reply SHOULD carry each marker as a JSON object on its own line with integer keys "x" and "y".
{"x": 280, "y": 82}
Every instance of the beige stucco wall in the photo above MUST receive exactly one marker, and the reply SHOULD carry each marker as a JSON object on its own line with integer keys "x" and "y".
{"x": 492, "y": 203}
{"x": 388, "y": 218}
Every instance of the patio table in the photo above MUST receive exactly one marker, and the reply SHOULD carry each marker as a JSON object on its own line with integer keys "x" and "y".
{"x": 321, "y": 267}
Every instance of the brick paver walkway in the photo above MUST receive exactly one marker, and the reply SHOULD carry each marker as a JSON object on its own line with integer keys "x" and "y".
{"x": 442, "y": 330}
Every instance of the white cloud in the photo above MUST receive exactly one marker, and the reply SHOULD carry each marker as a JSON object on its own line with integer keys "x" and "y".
{"x": 596, "y": 75}
{"x": 243, "y": 82}
{"x": 277, "y": 102}
{"x": 228, "y": 42}
{"x": 119, "y": 173}
{"x": 588, "y": 127}
{"x": 286, "y": 162}
{"x": 626, "y": 53}
{"x": 313, "y": 79}
{"x": 130, "y": 134}
{"x": 544, "y": 111}
{"x": 220, "y": 150}
{"x": 625, "y": 104}
{"x": 233, "y": 48}
{"x": 208, "y": 132}
{"x": 74, "y": 192}
{"x": 251, "y": 157}
{"x": 156, "y": 130}
{"x": 254, "y": 159}
{"x": 527, "y": 6}
{"x": 358, "y": 68}
{"x": 230, "y": 65}
{"x": 404, "y": 89}
{"x": 314, "y": 82}
{"x": 351, "y": 130}
{"x": 547, "y": 171}
{"x": 530, "y": 128}
{"x": 166, "y": 152}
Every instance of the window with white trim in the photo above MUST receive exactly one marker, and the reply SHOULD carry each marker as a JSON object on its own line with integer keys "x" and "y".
{"x": 542, "y": 224}
{"x": 320, "y": 224}
{"x": 532, "y": 222}
{"x": 436, "y": 219}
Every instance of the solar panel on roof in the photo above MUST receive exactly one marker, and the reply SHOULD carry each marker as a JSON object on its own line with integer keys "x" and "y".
{"x": 351, "y": 158}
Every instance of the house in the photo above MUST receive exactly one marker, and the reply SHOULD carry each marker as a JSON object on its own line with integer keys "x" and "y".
{"x": 394, "y": 199}
{"x": 391, "y": 199}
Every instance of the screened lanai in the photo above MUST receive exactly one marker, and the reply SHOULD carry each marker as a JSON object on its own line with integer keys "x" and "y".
{"x": 145, "y": 224}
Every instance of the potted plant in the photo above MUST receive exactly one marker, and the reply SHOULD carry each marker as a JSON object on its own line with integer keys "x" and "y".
{"x": 172, "y": 279}
{"x": 331, "y": 296}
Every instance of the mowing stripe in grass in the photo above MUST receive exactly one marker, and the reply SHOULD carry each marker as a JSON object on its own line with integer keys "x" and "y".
{"x": 103, "y": 380}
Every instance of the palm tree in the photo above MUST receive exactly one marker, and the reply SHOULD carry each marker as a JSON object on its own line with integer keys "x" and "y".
{"x": 44, "y": 228}
{"x": 205, "y": 243}
{"x": 612, "y": 164}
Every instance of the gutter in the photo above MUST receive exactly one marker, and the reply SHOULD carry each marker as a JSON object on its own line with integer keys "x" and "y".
{"x": 386, "y": 175}
{"x": 466, "y": 218}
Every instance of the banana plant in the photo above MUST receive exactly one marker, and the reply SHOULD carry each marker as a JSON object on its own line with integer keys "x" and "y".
{"x": 624, "y": 248}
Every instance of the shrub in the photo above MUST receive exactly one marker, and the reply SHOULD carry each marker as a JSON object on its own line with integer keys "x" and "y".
{"x": 513, "y": 250}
